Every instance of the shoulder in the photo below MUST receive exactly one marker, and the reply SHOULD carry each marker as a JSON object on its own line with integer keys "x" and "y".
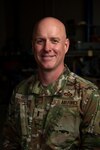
{"x": 86, "y": 88}
{"x": 76, "y": 80}
{"x": 81, "y": 81}
{"x": 25, "y": 84}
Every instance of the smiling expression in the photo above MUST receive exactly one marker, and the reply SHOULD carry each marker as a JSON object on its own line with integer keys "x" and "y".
{"x": 50, "y": 44}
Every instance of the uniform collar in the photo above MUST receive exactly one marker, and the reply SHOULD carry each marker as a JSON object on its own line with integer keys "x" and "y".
{"x": 55, "y": 88}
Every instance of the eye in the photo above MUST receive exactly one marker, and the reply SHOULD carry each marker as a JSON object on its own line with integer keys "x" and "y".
{"x": 55, "y": 40}
{"x": 39, "y": 41}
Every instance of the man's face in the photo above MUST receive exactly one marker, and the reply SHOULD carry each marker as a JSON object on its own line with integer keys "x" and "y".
{"x": 49, "y": 46}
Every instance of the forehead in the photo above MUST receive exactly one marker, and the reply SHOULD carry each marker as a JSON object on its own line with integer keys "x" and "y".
{"x": 49, "y": 29}
{"x": 49, "y": 26}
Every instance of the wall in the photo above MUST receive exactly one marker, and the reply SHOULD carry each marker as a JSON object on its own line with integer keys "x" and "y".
{"x": 2, "y": 24}
{"x": 18, "y": 17}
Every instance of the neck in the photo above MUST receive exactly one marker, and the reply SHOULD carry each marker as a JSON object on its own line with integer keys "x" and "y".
{"x": 47, "y": 77}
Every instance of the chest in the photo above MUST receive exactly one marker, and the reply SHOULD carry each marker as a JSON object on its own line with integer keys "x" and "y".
{"x": 45, "y": 111}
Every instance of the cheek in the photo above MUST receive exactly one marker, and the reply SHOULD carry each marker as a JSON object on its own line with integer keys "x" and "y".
{"x": 36, "y": 50}
{"x": 62, "y": 51}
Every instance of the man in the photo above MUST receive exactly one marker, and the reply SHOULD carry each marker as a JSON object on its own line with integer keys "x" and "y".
{"x": 54, "y": 109}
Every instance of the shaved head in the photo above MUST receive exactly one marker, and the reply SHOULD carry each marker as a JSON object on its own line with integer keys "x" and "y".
{"x": 50, "y": 21}
{"x": 50, "y": 44}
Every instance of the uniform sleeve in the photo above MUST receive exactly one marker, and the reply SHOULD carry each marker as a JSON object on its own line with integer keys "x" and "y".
{"x": 90, "y": 127}
{"x": 11, "y": 131}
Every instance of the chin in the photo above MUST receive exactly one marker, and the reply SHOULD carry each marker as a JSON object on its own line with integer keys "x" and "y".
{"x": 47, "y": 68}
{"x": 47, "y": 65}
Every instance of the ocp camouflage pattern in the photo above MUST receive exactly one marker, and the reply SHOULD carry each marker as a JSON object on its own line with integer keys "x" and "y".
{"x": 63, "y": 116}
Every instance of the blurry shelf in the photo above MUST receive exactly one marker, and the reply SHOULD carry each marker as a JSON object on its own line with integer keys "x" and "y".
{"x": 83, "y": 53}
{"x": 71, "y": 53}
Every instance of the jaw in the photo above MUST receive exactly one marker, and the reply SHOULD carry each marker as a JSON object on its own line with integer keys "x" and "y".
{"x": 51, "y": 65}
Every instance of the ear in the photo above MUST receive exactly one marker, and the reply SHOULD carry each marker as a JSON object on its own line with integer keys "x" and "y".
{"x": 67, "y": 43}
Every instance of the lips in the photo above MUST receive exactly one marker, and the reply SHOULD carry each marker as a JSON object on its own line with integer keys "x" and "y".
{"x": 47, "y": 57}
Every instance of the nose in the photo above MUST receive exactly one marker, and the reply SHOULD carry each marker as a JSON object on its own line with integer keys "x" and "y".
{"x": 47, "y": 46}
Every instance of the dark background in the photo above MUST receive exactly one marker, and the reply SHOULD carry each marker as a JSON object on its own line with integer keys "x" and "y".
{"x": 17, "y": 19}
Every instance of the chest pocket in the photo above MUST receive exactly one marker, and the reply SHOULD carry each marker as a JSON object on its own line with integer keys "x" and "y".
{"x": 63, "y": 119}
{"x": 25, "y": 105}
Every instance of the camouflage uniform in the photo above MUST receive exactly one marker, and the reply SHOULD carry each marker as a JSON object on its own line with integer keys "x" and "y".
{"x": 63, "y": 116}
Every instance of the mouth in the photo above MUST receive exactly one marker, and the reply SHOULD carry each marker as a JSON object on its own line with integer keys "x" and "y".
{"x": 48, "y": 57}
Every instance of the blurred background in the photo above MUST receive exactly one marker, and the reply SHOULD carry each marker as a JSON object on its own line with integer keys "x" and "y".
{"x": 17, "y": 18}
